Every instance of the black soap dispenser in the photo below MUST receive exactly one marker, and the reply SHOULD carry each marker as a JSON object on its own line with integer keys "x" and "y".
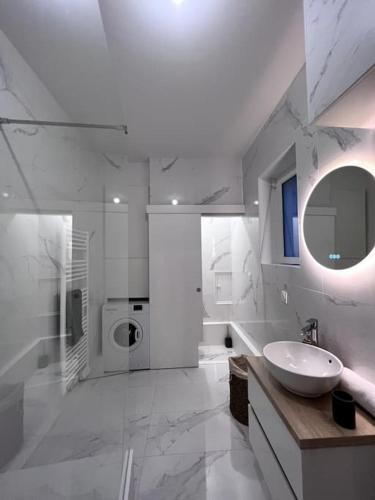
{"x": 343, "y": 409}
{"x": 228, "y": 341}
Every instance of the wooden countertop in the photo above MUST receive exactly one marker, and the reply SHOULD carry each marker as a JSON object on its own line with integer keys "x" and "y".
{"x": 310, "y": 421}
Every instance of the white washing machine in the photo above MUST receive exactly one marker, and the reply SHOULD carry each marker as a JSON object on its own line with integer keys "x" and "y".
{"x": 126, "y": 336}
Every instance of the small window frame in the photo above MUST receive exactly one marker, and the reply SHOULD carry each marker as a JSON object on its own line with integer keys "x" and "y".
{"x": 279, "y": 220}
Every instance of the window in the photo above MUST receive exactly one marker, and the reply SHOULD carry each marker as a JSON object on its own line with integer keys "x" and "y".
{"x": 278, "y": 210}
{"x": 290, "y": 217}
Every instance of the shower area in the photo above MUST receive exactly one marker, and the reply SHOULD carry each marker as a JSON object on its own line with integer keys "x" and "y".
{"x": 218, "y": 280}
{"x": 64, "y": 430}
{"x": 62, "y": 418}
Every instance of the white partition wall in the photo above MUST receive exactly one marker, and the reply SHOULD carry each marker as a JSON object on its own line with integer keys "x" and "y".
{"x": 175, "y": 289}
{"x": 116, "y": 253}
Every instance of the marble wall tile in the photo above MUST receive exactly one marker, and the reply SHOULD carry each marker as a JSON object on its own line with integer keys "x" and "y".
{"x": 38, "y": 164}
{"x": 343, "y": 302}
{"x": 53, "y": 163}
{"x": 31, "y": 266}
{"x": 216, "y": 257}
{"x": 340, "y": 44}
{"x": 130, "y": 182}
{"x": 196, "y": 181}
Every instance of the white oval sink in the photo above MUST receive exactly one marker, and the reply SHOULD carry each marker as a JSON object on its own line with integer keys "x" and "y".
{"x": 303, "y": 369}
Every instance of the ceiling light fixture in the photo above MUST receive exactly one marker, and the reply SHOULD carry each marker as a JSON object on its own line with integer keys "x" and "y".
{"x": 256, "y": 203}
{"x": 116, "y": 200}
{"x": 177, "y": 2}
{"x": 5, "y": 194}
{"x": 174, "y": 202}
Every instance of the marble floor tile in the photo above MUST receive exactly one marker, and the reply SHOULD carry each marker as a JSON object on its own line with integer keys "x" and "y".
{"x": 21, "y": 458}
{"x": 136, "y": 429}
{"x": 214, "y": 354}
{"x": 202, "y": 476}
{"x": 135, "y": 478}
{"x": 212, "y": 372}
{"x": 198, "y": 431}
{"x": 42, "y": 405}
{"x": 94, "y": 478}
{"x": 91, "y": 423}
{"x": 187, "y": 397}
{"x": 205, "y": 373}
{"x": 139, "y": 400}
{"x": 58, "y": 427}
{"x": 142, "y": 378}
{"x": 79, "y": 443}
{"x": 186, "y": 445}
{"x": 108, "y": 386}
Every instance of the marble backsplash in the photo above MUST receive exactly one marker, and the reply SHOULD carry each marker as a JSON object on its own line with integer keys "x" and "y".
{"x": 342, "y": 301}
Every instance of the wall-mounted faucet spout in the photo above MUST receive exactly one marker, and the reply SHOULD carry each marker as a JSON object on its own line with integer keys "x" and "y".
{"x": 310, "y": 332}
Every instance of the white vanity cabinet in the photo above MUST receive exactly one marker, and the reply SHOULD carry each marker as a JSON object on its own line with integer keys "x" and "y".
{"x": 302, "y": 453}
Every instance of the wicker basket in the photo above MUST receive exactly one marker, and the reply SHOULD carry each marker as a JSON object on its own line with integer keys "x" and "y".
{"x": 238, "y": 389}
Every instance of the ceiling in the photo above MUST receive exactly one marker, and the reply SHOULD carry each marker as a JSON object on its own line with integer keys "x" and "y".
{"x": 195, "y": 79}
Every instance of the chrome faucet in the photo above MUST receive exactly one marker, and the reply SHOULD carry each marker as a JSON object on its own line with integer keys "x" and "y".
{"x": 310, "y": 332}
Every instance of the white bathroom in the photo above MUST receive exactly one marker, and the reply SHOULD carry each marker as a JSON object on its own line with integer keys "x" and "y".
{"x": 187, "y": 251}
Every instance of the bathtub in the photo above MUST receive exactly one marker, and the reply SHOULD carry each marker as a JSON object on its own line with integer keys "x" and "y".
{"x": 214, "y": 333}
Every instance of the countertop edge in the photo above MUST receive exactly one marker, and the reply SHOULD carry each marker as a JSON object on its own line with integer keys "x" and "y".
{"x": 311, "y": 443}
{"x": 275, "y": 407}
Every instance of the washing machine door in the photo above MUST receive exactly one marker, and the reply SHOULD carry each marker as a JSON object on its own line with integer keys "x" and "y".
{"x": 126, "y": 334}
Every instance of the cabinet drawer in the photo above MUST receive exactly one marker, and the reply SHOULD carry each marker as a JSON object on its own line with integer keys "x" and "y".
{"x": 273, "y": 474}
{"x": 282, "y": 443}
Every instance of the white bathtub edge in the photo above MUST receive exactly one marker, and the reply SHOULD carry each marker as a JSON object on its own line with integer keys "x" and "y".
{"x": 238, "y": 330}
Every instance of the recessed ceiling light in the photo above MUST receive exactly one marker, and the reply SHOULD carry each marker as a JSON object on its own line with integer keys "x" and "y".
{"x": 256, "y": 203}
{"x": 177, "y": 2}
{"x": 116, "y": 200}
{"x": 5, "y": 194}
{"x": 174, "y": 202}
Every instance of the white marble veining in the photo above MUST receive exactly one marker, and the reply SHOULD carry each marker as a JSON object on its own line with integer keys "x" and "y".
{"x": 40, "y": 164}
{"x": 196, "y": 181}
{"x": 185, "y": 442}
{"x": 93, "y": 478}
{"x": 340, "y": 44}
{"x": 216, "y": 257}
{"x": 31, "y": 267}
{"x": 202, "y": 476}
{"x": 214, "y": 354}
{"x": 169, "y": 398}
{"x": 37, "y": 164}
{"x": 53, "y": 163}
{"x": 205, "y": 373}
{"x": 194, "y": 449}
{"x": 343, "y": 302}
{"x": 206, "y": 430}
{"x": 91, "y": 423}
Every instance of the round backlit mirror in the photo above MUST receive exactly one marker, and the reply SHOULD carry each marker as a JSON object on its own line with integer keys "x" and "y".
{"x": 339, "y": 219}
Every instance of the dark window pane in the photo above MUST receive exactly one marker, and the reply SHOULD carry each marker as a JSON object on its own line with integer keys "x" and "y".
{"x": 290, "y": 217}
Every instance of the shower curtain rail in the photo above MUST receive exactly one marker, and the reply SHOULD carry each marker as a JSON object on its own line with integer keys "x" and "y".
{"x": 10, "y": 121}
